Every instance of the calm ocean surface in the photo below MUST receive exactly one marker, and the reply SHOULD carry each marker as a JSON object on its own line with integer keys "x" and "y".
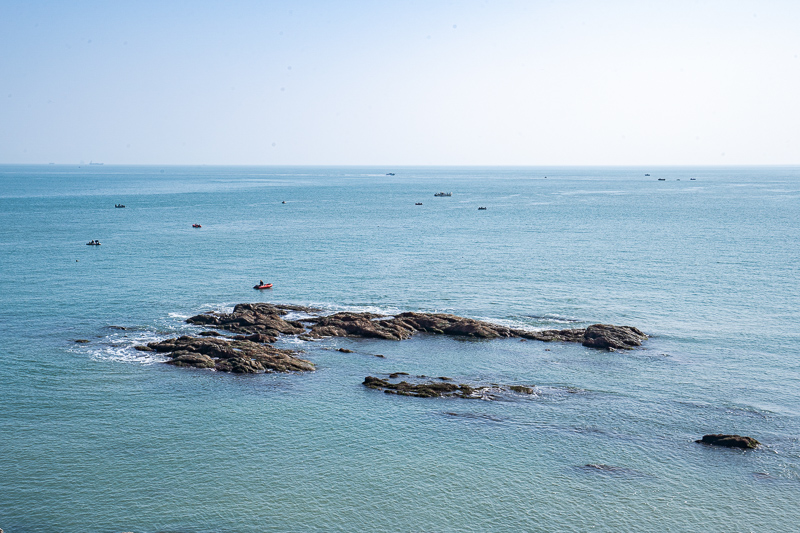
{"x": 98, "y": 437}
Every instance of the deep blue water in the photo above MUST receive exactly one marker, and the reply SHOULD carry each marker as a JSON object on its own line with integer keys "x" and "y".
{"x": 100, "y": 437}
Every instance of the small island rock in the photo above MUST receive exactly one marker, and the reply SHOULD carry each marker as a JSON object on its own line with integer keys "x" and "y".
{"x": 612, "y": 337}
{"x": 729, "y": 441}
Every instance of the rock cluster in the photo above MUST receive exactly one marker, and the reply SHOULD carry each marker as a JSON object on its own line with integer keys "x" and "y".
{"x": 260, "y": 324}
{"x": 267, "y": 319}
{"x": 729, "y": 441}
{"x": 240, "y": 355}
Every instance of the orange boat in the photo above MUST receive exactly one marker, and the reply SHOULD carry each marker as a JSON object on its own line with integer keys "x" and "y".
{"x": 196, "y": 226}
{"x": 264, "y": 286}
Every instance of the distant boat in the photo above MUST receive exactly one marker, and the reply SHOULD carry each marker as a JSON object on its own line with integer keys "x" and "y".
{"x": 481, "y": 209}
{"x": 647, "y": 174}
{"x": 692, "y": 179}
{"x": 390, "y": 173}
{"x": 264, "y": 286}
{"x": 196, "y": 226}
{"x": 443, "y": 194}
{"x": 93, "y": 243}
{"x": 119, "y": 205}
{"x": 662, "y": 179}
{"x": 283, "y": 202}
{"x": 418, "y": 203}
{"x": 94, "y": 164}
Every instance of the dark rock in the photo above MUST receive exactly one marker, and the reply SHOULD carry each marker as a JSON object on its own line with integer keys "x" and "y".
{"x": 344, "y": 350}
{"x": 443, "y": 378}
{"x": 118, "y": 327}
{"x": 553, "y": 335}
{"x": 434, "y": 389}
{"x": 240, "y": 356}
{"x": 423, "y": 390}
{"x": 260, "y": 318}
{"x": 81, "y": 341}
{"x": 729, "y": 441}
{"x": 196, "y": 360}
{"x": 143, "y": 348}
{"x": 612, "y": 337}
{"x": 209, "y": 333}
{"x": 257, "y": 337}
{"x": 359, "y": 325}
{"x": 397, "y": 374}
{"x": 521, "y": 389}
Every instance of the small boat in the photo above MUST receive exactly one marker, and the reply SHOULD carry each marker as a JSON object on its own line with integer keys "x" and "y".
{"x": 119, "y": 205}
{"x": 692, "y": 179}
{"x": 390, "y": 173}
{"x": 418, "y": 203}
{"x": 647, "y": 174}
{"x": 93, "y": 243}
{"x": 196, "y": 226}
{"x": 283, "y": 202}
{"x": 481, "y": 209}
{"x": 662, "y": 179}
{"x": 443, "y": 194}
{"x": 264, "y": 286}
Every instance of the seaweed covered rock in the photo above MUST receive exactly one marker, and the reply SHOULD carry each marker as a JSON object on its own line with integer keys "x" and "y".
{"x": 729, "y": 441}
{"x": 606, "y": 336}
{"x": 239, "y": 356}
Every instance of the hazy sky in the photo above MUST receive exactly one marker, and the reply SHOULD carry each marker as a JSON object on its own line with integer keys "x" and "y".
{"x": 400, "y": 82}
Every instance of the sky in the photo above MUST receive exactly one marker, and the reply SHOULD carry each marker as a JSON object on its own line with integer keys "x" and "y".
{"x": 400, "y": 82}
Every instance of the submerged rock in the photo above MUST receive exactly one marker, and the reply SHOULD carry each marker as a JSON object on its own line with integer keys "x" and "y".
{"x": 729, "y": 441}
{"x": 239, "y": 356}
{"x": 611, "y": 470}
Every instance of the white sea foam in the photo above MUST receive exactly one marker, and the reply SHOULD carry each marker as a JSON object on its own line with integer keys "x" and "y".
{"x": 120, "y": 347}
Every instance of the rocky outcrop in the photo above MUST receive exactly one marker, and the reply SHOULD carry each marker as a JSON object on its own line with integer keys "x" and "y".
{"x": 404, "y": 325}
{"x": 238, "y": 355}
{"x": 607, "y": 337}
{"x": 435, "y": 389}
{"x": 729, "y": 441}
{"x": 267, "y": 322}
{"x": 261, "y": 318}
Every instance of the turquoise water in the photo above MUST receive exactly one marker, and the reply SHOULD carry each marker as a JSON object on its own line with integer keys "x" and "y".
{"x": 100, "y": 437}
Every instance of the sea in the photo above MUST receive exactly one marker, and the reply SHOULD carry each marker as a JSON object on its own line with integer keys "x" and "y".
{"x": 99, "y": 437}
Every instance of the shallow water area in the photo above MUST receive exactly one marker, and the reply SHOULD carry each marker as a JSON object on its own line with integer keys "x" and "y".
{"x": 97, "y": 436}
